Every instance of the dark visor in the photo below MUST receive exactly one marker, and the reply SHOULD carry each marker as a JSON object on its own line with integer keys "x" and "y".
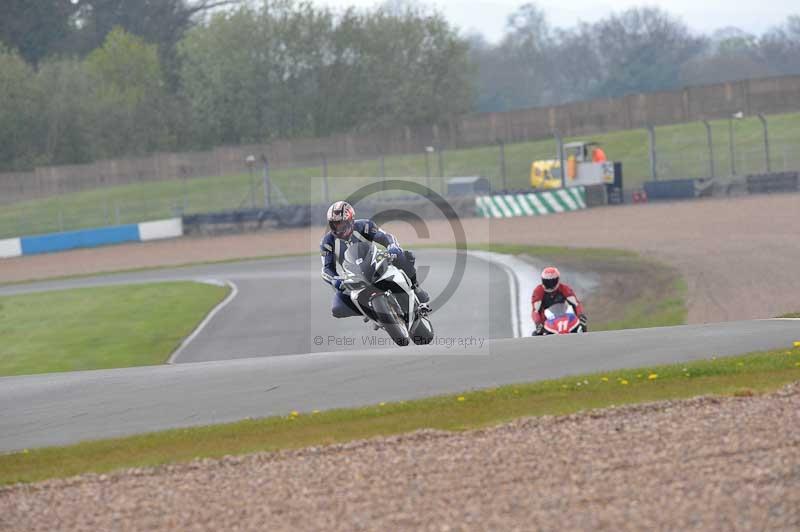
{"x": 550, "y": 283}
{"x": 341, "y": 227}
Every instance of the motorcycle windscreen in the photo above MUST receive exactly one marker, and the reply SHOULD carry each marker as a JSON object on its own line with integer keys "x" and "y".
{"x": 360, "y": 260}
{"x": 558, "y": 310}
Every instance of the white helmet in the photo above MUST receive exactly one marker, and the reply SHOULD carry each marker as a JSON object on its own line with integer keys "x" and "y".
{"x": 341, "y": 218}
{"x": 551, "y": 279}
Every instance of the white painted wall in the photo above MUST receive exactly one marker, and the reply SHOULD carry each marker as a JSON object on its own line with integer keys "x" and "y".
{"x": 11, "y": 247}
{"x": 161, "y": 229}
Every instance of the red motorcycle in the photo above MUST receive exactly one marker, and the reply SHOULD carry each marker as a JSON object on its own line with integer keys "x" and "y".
{"x": 561, "y": 319}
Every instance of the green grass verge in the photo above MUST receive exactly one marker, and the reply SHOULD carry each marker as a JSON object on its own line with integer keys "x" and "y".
{"x": 97, "y": 328}
{"x": 642, "y": 313}
{"x": 743, "y": 375}
{"x": 654, "y": 294}
{"x": 682, "y": 153}
{"x": 794, "y": 315}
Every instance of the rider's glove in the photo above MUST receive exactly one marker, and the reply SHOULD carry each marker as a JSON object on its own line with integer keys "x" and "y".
{"x": 584, "y": 320}
{"x": 539, "y": 329}
{"x": 394, "y": 249}
{"x": 337, "y": 284}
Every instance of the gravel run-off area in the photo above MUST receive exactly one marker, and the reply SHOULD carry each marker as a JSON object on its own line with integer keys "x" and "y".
{"x": 702, "y": 464}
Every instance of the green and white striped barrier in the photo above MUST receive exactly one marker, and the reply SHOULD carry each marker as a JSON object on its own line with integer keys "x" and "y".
{"x": 531, "y": 204}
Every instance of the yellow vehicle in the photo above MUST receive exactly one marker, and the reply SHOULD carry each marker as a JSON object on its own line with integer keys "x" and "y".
{"x": 546, "y": 174}
{"x": 584, "y": 167}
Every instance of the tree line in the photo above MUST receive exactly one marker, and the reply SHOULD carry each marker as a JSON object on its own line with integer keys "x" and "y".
{"x": 95, "y": 79}
{"x": 82, "y": 80}
{"x": 637, "y": 50}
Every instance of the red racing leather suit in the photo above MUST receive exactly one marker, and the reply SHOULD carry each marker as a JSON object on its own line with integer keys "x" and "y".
{"x": 541, "y": 301}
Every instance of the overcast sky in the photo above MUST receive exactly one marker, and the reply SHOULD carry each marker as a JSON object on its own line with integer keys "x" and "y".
{"x": 488, "y": 16}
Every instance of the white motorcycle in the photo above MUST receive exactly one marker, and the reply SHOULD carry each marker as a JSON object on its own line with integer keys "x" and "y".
{"x": 384, "y": 295}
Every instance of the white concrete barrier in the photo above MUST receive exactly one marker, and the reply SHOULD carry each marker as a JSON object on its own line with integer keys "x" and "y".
{"x": 11, "y": 247}
{"x": 161, "y": 229}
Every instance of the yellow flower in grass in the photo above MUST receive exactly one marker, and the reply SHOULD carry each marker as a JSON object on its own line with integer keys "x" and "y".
{"x": 623, "y": 382}
{"x": 382, "y": 404}
{"x": 740, "y": 364}
{"x": 797, "y": 345}
{"x": 604, "y": 379}
{"x": 295, "y": 413}
{"x": 652, "y": 376}
{"x": 461, "y": 399}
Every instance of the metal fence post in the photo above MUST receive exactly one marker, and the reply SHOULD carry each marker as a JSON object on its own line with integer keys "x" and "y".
{"x": 710, "y": 147}
{"x": 250, "y": 160}
{"x": 732, "y": 149}
{"x": 325, "y": 191}
{"x": 440, "y": 154}
{"x": 651, "y": 131}
{"x": 428, "y": 150}
{"x": 502, "y": 145}
{"x": 185, "y": 192}
{"x": 267, "y": 187}
{"x": 383, "y": 171}
{"x": 560, "y": 151}
{"x": 766, "y": 140}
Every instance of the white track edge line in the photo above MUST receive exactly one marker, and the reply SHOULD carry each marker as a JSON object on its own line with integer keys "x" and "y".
{"x": 514, "y": 285}
{"x": 185, "y": 343}
{"x": 513, "y": 282}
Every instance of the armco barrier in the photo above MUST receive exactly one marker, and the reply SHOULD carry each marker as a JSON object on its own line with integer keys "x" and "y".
{"x": 531, "y": 204}
{"x": 88, "y": 238}
{"x": 248, "y": 220}
{"x": 774, "y": 182}
{"x": 671, "y": 189}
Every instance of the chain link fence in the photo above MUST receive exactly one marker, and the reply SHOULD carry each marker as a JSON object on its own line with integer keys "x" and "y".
{"x": 696, "y": 150}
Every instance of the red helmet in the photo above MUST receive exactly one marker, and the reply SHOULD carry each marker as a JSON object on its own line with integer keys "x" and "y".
{"x": 551, "y": 278}
{"x": 341, "y": 217}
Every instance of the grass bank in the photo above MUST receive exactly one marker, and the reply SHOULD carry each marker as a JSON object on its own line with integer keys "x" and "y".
{"x": 634, "y": 292}
{"x": 744, "y": 375}
{"x": 98, "y": 328}
{"x": 682, "y": 153}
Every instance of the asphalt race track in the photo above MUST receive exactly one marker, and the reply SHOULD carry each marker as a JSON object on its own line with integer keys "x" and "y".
{"x": 281, "y": 307}
{"x": 63, "y": 408}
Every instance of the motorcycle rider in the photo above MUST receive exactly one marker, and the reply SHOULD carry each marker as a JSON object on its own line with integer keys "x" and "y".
{"x": 551, "y": 292}
{"x": 344, "y": 228}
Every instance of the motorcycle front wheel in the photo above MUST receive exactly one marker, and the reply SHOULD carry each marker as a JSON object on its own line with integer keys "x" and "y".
{"x": 390, "y": 320}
